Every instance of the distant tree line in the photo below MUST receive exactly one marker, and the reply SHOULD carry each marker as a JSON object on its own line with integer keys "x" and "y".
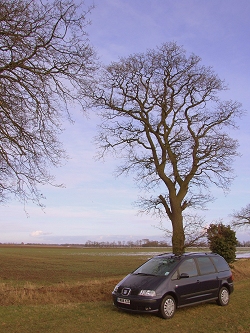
{"x": 130, "y": 243}
{"x": 89, "y": 243}
{"x": 243, "y": 244}
{"x": 125, "y": 244}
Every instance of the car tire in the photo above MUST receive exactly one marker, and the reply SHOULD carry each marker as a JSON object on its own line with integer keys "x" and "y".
{"x": 168, "y": 307}
{"x": 223, "y": 297}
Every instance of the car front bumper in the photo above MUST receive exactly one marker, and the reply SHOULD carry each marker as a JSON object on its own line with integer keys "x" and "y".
{"x": 136, "y": 303}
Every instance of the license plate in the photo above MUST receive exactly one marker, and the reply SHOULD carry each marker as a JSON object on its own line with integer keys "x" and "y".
{"x": 123, "y": 300}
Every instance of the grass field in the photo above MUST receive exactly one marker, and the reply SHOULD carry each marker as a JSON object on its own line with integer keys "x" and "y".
{"x": 61, "y": 290}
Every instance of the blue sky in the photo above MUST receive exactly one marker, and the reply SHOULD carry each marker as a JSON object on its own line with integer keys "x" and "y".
{"x": 94, "y": 205}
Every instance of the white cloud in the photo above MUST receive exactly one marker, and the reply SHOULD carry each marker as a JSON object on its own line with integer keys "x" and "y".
{"x": 39, "y": 233}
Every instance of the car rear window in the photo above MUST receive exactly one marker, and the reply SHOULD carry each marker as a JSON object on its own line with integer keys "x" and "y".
{"x": 205, "y": 265}
{"x": 220, "y": 264}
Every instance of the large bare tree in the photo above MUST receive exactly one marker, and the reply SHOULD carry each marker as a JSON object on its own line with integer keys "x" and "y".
{"x": 45, "y": 61}
{"x": 161, "y": 114}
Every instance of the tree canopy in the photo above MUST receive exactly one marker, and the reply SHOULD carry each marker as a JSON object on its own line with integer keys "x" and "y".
{"x": 45, "y": 61}
{"x": 162, "y": 115}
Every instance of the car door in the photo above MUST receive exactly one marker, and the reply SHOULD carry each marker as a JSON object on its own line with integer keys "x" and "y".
{"x": 186, "y": 282}
{"x": 208, "y": 278}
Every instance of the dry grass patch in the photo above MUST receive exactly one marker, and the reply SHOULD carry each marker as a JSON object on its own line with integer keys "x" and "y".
{"x": 241, "y": 269}
{"x": 61, "y": 293}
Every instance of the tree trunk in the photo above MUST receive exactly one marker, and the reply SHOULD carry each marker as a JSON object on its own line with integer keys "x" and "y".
{"x": 178, "y": 237}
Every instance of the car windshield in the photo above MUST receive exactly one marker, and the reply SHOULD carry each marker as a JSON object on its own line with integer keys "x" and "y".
{"x": 157, "y": 266}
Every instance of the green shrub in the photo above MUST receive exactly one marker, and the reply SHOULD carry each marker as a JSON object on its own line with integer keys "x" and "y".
{"x": 222, "y": 240}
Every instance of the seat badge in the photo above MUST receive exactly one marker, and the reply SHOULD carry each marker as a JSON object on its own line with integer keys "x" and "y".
{"x": 126, "y": 291}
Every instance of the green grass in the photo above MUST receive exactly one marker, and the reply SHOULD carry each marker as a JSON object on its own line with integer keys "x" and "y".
{"x": 62, "y": 274}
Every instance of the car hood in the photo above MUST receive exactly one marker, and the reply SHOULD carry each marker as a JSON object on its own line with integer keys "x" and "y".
{"x": 142, "y": 282}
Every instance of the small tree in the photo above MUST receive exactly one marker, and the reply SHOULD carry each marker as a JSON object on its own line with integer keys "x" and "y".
{"x": 222, "y": 240}
{"x": 241, "y": 218}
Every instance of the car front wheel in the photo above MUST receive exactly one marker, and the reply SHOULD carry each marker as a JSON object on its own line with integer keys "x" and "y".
{"x": 223, "y": 298}
{"x": 168, "y": 307}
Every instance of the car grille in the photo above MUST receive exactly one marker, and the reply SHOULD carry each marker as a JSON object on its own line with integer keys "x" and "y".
{"x": 124, "y": 291}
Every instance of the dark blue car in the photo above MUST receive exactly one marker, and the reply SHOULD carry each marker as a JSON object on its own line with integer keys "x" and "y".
{"x": 166, "y": 282}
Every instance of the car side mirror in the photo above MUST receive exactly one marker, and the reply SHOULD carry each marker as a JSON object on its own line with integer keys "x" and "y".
{"x": 184, "y": 276}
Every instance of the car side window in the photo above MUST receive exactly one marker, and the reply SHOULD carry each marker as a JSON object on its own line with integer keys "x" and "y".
{"x": 189, "y": 267}
{"x": 205, "y": 265}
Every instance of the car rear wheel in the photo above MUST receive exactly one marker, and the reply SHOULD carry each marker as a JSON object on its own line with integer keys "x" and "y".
{"x": 168, "y": 307}
{"x": 223, "y": 298}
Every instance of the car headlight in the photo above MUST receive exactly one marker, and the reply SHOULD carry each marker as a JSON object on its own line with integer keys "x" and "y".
{"x": 116, "y": 288}
{"x": 147, "y": 293}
